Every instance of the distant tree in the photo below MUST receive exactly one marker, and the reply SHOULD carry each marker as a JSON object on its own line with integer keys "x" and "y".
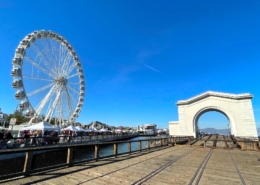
{"x": 20, "y": 118}
{"x": 42, "y": 116}
{"x": 121, "y": 128}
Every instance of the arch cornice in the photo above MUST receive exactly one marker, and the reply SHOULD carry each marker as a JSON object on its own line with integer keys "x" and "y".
{"x": 215, "y": 94}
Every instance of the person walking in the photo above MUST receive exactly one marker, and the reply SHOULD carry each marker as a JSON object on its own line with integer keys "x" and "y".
{"x": 2, "y": 134}
{"x": 8, "y": 135}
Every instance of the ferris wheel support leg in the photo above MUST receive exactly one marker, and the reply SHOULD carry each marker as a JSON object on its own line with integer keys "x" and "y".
{"x": 68, "y": 101}
{"x": 50, "y": 112}
{"x": 45, "y": 100}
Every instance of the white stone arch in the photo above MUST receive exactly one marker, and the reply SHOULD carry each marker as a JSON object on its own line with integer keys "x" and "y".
{"x": 236, "y": 107}
{"x": 217, "y": 109}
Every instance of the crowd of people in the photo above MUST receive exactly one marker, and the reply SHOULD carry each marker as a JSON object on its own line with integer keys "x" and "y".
{"x": 38, "y": 138}
{"x": 6, "y": 135}
{"x": 4, "y": 138}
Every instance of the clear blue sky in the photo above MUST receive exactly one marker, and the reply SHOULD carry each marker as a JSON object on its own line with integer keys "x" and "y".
{"x": 141, "y": 57}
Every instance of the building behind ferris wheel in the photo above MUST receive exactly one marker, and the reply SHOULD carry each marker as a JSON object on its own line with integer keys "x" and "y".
{"x": 56, "y": 59}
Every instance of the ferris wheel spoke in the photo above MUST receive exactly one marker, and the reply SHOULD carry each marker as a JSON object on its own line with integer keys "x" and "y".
{"x": 66, "y": 109}
{"x": 40, "y": 89}
{"x": 37, "y": 78}
{"x": 48, "y": 62}
{"x": 72, "y": 66}
{"x": 60, "y": 55}
{"x": 53, "y": 107}
{"x": 66, "y": 63}
{"x": 38, "y": 66}
{"x": 49, "y": 105}
{"x": 68, "y": 101}
{"x": 63, "y": 55}
{"x": 40, "y": 53}
{"x": 51, "y": 48}
{"x": 73, "y": 83}
{"x": 55, "y": 46}
{"x": 60, "y": 112}
{"x": 45, "y": 100}
{"x": 71, "y": 88}
{"x": 71, "y": 76}
{"x": 73, "y": 97}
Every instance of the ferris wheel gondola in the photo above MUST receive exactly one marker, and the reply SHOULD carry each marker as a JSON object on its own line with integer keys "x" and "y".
{"x": 48, "y": 78}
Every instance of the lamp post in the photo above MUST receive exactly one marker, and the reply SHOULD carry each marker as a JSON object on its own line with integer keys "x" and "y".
{"x": 3, "y": 118}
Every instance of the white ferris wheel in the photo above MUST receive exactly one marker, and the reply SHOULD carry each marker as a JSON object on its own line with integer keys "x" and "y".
{"x": 48, "y": 78}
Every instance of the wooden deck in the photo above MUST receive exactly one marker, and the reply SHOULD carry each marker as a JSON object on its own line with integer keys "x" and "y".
{"x": 171, "y": 165}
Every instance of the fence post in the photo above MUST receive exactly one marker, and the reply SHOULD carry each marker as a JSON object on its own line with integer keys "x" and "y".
{"x": 115, "y": 149}
{"x": 140, "y": 145}
{"x": 70, "y": 156}
{"x": 129, "y": 147}
{"x": 161, "y": 142}
{"x": 204, "y": 143}
{"x": 96, "y": 152}
{"x": 174, "y": 140}
{"x": 256, "y": 146}
{"x": 148, "y": 144}
{"x": 28, "y": 163}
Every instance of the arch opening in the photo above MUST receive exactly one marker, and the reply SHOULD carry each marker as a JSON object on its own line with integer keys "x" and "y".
{"x": 212, "y": 121}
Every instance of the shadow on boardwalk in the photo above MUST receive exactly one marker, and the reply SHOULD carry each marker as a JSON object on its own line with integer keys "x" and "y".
{"x": 53, "y": 173}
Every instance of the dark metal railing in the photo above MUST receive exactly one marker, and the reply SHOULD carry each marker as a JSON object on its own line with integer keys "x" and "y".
{"x": 25, "y": 161}
{"x": 21, "y": 142}
{"x": 243, "y": 144}
{"x": 225, "y": 143}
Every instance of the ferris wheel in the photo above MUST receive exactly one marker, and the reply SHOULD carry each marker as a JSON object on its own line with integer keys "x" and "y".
{"x": 48, "y": 78}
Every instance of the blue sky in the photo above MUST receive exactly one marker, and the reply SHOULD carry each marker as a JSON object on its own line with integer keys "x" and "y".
{"x": 141, "y": 57}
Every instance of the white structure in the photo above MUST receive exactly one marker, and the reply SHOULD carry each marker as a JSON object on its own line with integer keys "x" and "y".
{"x": 236, "y": 107}
{"x": 147, "y": 128}
{"x": 48, "y": 78}
{"x": 43, "y": 126}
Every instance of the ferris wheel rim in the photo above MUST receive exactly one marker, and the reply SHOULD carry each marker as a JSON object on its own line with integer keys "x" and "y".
{"x": 20, "y": 55}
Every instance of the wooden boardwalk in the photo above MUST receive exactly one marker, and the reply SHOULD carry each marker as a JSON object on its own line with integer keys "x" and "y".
{"x": 171, "y": 165}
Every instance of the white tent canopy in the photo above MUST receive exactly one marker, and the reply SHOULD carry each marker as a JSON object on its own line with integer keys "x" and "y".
{"x": 92, "y": 130}
{"x": 118, "y": 130}
{"x": 41, "y": 126}
{"x": 80, "y": 129}
{"x": 71, "y": 128}
{"x": 104, "y": 130}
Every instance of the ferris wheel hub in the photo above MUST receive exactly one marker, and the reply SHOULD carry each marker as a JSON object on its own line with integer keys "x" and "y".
{"x": 60, "y": 81}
